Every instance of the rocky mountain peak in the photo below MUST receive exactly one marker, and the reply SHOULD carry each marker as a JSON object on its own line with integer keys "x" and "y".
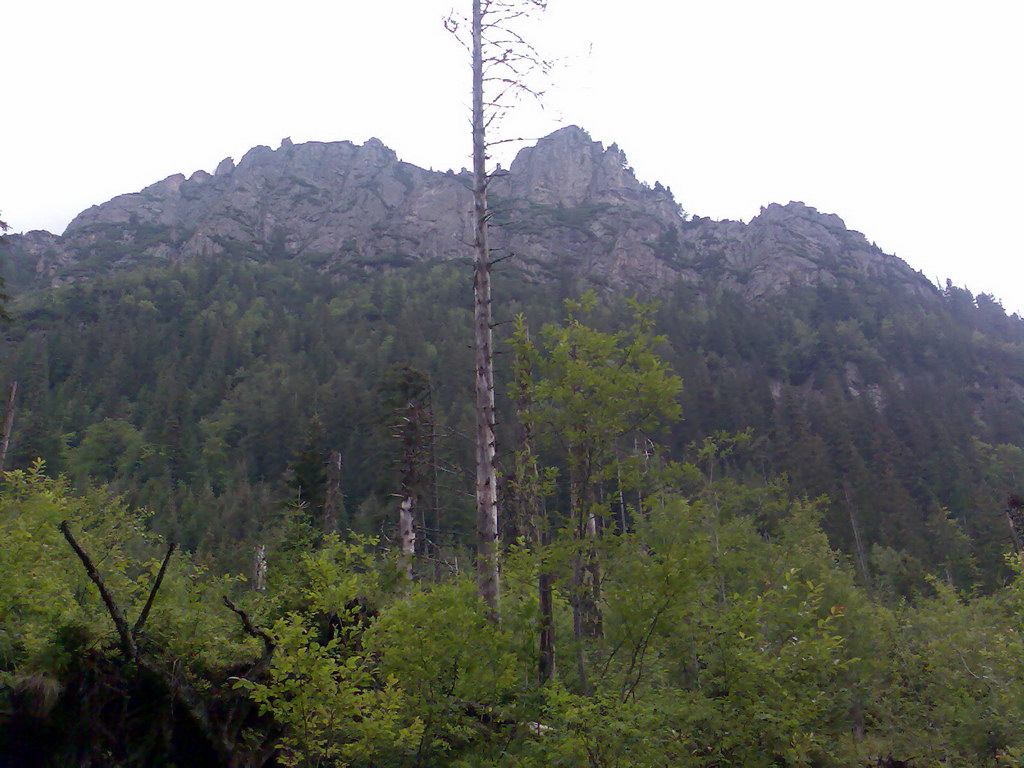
{"x": 775, "y": 212}
{"x": 825, "y": 231}
{"x": 567, "y": 203}
{"x": 569, "y": 168}
{"x": 795, "y": 244}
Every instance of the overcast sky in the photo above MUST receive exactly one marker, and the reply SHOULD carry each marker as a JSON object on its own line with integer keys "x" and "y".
{"x": 904, "y": 117}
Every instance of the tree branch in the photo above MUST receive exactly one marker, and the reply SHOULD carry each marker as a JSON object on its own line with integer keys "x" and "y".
{"x": 251, "y": 629}
{"x": 152, "y": 592}
{"x": 116, "y": 615}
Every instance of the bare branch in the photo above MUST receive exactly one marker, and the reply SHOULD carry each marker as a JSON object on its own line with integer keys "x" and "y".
{"x": 251, "y": 629}
{"x": 152, "y": 592}
{"x": 116, "y": 615}
{"x": 455, "y": 24}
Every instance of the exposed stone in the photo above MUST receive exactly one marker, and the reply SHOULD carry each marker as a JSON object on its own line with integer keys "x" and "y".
{"x": 226, "y": 166}
{"x": 567, "y": 205}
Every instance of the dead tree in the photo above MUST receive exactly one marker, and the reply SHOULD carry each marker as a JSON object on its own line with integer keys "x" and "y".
{"x": 861, "y": 559}
{"x": 128, "y": 637}
{"x": 222, "y": 730}
{"x": 8, "y": 425}
{"x": 259, "y": 569}
{"x": 408, "y": 433}
{"x": 334, "y": 502}
{"x": 501, "y": 62}
{"x": 1015, "y": 520}
{"x": 407, "y": 393}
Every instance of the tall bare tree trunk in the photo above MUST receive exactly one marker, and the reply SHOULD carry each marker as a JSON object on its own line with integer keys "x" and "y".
{"x": 407, "y": 533}
{"x": 334, "y": 502}
{"x": 861, "y": 559}
{"x": 411, "y": 433}
{"x": 486, "y": 475}
{"x": 595, "y": 619}
{"x": 588, "y": 565}
{"x": 587, "y": 569}
{"x": 8, "y": 425}
{"x": 508, "y": 59}
{"x": 259, "y": 569}
{"x": 1014, "y": 508}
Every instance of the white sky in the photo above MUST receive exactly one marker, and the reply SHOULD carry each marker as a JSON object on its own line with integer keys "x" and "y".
{"x": 905, "y": 117}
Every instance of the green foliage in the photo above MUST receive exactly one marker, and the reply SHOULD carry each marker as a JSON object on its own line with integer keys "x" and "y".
{"x": 50, "y": 612}
{"x": 750, "y": 645}
{"x": 956, "y": 664}
{"x": 459, "y": 670}
{"x": 330, "y": 575}
{"x": 723, "y": 645}
{"x": 47, "y": 601}
{"x": 111, "y": 449}
{"x": 592, "y": 388}
{"x": 735, "y": 629}
{"x": 332, "y": 704}
{"x": 884, "y": 402}
{"x": 309, "y": 471}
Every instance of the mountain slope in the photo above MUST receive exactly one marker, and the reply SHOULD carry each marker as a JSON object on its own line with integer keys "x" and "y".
{"x": 180, "y": 341}
{"x": 566, "y": 205}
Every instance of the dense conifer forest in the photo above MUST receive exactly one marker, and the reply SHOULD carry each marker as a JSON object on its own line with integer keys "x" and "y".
{"x": 734, "y": 534}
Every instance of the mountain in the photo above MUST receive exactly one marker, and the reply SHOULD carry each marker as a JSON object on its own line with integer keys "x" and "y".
{"x": 567, "y": 204}
{"x": 188, "y": 342}
{"x": 808, "y": 569}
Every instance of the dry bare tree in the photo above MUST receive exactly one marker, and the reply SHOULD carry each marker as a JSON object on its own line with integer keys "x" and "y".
{"x": 225, "y": 728}
{"x": 406, "y": 393}
{"x": 502, "y": 63}
{"x": 5, "y": 441}
{"x": 334, "y": 502}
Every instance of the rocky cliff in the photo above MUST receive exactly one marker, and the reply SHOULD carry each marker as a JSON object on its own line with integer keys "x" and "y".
{"x": 567, "y": 205}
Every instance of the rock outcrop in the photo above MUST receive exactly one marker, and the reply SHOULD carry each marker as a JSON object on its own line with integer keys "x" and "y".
{"x": 567, "y": 205}
{"x": 790, "y": 245}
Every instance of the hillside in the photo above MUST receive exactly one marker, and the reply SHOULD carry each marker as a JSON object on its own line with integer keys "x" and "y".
{"x": 757, "y": 479}
{"x": 178, "y": 342}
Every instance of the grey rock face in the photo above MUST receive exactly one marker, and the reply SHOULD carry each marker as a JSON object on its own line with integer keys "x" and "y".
{"x": 39, "y": 255}
{"x": 791, "y": 245}
{"x": 567, "y": 205}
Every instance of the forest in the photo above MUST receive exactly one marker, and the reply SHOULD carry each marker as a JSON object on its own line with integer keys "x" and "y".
{"x": 300, "y": 468}
{"x": 732, "y": 535}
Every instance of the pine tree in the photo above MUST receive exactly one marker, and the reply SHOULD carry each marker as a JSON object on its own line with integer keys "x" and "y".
{"x": 309, "y": 469}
